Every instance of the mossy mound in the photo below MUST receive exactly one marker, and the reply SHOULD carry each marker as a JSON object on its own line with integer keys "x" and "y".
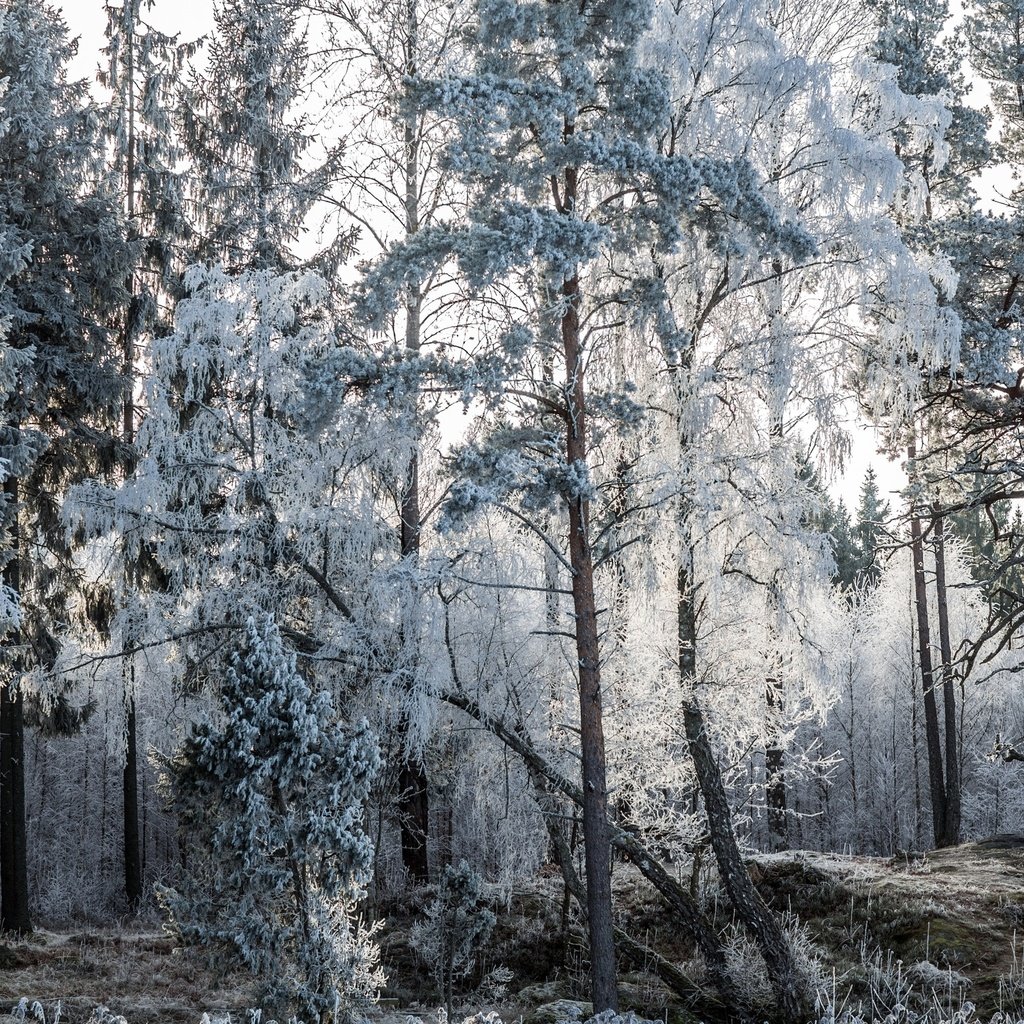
{"x": 953, "y": 911}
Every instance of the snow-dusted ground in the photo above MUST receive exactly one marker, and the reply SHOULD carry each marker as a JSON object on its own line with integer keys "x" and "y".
{"x": 944, "y": 926}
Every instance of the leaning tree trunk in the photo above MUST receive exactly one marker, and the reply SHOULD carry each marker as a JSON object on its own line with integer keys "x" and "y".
{"x": 698, "y": 999}
{"x": 688, "y": 914}
{"x": 14, "y": 913}
{"x": 787, "y": 979}
{"x": 952, "y": 833}
{"x": 936, "y": 782}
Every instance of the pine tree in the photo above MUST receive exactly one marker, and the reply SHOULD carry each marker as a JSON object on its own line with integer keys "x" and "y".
{"x": 911, "y": 37}
{"x": 270, "y": 792}
{"x": 558, "y": 137}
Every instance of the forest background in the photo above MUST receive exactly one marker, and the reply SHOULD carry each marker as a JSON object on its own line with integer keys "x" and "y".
{"x": 466, "y": 377}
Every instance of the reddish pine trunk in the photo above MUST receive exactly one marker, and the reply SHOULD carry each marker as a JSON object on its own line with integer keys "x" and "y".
{"x": 596, "y": 833}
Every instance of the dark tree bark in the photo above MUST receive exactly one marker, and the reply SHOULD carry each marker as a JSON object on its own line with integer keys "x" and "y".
{"x": 14, "y": 912}
{"x": 775, "y": 771}
{"x": 936, "y": 781}
{"x": 130, "y": 781}
{"x": 952, "y": 832}
{"x": 132, "y": 840}
{"x": 642, "y": 956}
{"x": 596, "y": 831}
{"x": 414, "y": 794}
{"x": 414, "y": 810}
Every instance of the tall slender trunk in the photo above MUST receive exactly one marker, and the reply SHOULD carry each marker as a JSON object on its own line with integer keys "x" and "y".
{"x": 596, "y": 834}
{"x": 596, "y": 830}
{"x": 936, "y": 781}
{"x": 132, "y": 840}
{"x": 414, "y": 799}
{"x": 952, "y": 833}
{"x": 687, "y": 912}
{"x": 915, "y": 740}
{"x": 14, "y": 913}
{"x": 774, "y": 768}
{"x": 130, "y": 780}
{"x": 775, "y": 754}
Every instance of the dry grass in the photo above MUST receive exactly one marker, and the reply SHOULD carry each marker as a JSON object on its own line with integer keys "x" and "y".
{"x": 136, "y": 974}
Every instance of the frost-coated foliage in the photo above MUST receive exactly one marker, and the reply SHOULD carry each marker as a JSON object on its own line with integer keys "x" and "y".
{"x": 270, "y": 793}
{"x": 560, "y": 139}
{"x": 63, "y": 264}
{"x": 243, "y": 126}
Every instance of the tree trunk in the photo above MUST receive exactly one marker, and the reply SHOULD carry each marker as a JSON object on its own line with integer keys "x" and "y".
{"x": 787, "y": 980}
{"x": 642, "y": 956}
{"x": 414, "y": 808}
{"x": 936, "y": 782}
{"x": 14, "y": 915}
{"x": 952, "y": 833}
{"x": 774, "y": 770}
{"x": 596, "y": 831}
{"x": 414, "y": 794}
{"x": 130, "y": 780}
{"x": 596, "y": 835}
{"x": 132, "y": 844}
{"x": 677, "y": 899}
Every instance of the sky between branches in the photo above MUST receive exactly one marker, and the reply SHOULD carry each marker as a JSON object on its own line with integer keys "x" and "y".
{"x": 191, "y": 19}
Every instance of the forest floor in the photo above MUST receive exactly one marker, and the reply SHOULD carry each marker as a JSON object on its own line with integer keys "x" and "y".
{"x": 934, "y": 931}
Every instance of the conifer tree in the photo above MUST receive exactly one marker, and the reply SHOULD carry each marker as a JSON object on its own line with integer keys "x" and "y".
{"x": 60, "y": 423}
{"x": 270, "y": 792}
{"x": 845, "y": 550}
{"x": 868, "y": 530}
{"x": 244, "y": 128}
{"x": 142, "y": 74}
{"x": 911, "y": 38}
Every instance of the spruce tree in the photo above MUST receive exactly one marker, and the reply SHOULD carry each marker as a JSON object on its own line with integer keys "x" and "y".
{"x": 142, "y": 73}
{"x": 60, "y": 422}
{"x": 869, "y": 530}
{"x": 244, "y": 129}
{"x": 845, "y": 550}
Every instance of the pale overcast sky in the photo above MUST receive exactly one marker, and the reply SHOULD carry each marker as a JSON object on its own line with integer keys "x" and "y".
{"x": 87, "y": 19}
